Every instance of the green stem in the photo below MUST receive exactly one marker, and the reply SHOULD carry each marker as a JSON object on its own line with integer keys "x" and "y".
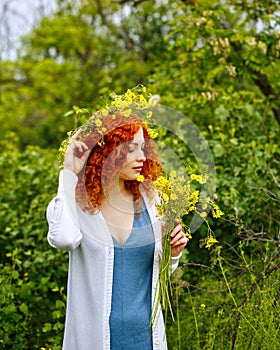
{"x": 178, "y": 319}
{"x": 195, "y": 319}
{"x": 232, "y": 297}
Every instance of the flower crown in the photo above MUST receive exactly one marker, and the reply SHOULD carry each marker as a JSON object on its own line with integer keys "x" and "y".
{"x": 136, "y": 101}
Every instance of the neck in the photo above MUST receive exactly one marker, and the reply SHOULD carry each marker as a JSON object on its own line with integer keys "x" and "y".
{"x": 118, "y": 195}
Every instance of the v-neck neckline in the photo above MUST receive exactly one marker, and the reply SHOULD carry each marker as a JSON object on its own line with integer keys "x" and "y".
{"x": 108, "y": 229}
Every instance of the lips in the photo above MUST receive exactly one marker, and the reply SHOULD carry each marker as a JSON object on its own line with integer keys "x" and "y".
{"x": 137, "y": 168}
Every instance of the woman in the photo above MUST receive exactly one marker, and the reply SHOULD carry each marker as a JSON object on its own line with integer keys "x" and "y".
{"x": 108, "y": 222}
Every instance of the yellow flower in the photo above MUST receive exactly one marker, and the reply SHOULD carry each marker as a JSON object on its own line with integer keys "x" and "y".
{"x": 203, "y": 179}
{"x": 199, "y": 178}
{"x": 165, "y": 196}
{"x": 188, "y": 235}
{"x": 152, "y": 133}
{"x": 161, "y": 209}
{"x": 120, "y": 103}
{"x": 191, "y": 208}
{"x": 149, "y": 114}
{"x": 98, "y": 122}
{"x": 203, "y": 214}
{"x": 129, "y": 100}
{"x": 127, "y": 112}
{"x": 142, "y": 99}
{"x": 217, "y": 214}
{"x": 181, "y": 190}
{"x": 210, "y": 241}
{"x": 173, "y": 173}
{"x": 140, "y": 178}
{"x": 162, "y": 182}
{"x": 173, "y": 196}
{"x": 104, "y": 112}
{"x": 193, "y": 177}
{"x": 216, "y": 211}
{"x": 193, "y": 199}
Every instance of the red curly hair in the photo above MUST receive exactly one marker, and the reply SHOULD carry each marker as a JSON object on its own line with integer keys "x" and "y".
{"x": 101, "y": 170}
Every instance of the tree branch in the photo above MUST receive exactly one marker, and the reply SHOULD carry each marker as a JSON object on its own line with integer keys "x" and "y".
{"x": 134, "y": 2}
{"x": 263, "y": 83}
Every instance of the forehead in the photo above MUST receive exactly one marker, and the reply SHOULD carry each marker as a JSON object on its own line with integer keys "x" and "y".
{"x": 139, "y": 135}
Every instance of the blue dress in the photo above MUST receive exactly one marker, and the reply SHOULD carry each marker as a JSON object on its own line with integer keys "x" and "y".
{"x": 132, "y": 287}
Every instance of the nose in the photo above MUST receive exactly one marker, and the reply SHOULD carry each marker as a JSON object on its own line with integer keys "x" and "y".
{"x": 140, "y": 156}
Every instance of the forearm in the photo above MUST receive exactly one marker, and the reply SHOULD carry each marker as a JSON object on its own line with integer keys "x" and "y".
{"x": 64, "y": 231}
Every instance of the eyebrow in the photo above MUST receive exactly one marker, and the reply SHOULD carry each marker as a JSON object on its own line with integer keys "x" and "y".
{"x": 137, "y": 143}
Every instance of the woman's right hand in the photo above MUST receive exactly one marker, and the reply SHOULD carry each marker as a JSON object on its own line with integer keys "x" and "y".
{"x": 76, "y": 156}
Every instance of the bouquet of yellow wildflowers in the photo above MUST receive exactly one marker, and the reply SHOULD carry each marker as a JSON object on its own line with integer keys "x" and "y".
{"x": 176, "y": 199}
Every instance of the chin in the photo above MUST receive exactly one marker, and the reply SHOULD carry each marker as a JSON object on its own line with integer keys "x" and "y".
{"x": 128, "y": 178}
{"x": 132, "y": 178}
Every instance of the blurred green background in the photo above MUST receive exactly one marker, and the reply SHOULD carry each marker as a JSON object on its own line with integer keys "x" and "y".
{"x": 218, "y": 63}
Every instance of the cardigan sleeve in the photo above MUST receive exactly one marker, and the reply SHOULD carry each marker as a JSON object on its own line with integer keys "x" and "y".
{"x": 64, "y": 230}
{"x": 175, "y": 262}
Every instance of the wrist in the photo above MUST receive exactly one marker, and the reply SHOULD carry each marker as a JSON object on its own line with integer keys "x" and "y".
{"x": 69, "y": 168}
{"x": 177, "y": 256}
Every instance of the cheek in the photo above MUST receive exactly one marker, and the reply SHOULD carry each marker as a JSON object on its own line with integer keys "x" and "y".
{"x": 129, "y": 158}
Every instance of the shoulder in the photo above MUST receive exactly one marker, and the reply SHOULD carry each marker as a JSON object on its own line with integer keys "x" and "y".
{"x": 149, "y": 194}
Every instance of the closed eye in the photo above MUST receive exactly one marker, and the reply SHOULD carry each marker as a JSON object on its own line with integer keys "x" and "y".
{"x": 134, "y": 145}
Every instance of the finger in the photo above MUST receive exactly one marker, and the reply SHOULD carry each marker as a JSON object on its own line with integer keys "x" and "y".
{"x": 176, "y": 222}
{"x": 177, "y": 237}
{"x": 72, "y": 146}
{"x": 179, "y": 244}
{"x": 176, "y": 230}
{"x": 81, "y": 145}
{"x": 77, "y": 148}
{"x": 85, "y": 155}
{"x": 75, "y": 143}
{"x": 176, "y": 226}
{"x": 77, "y": 133}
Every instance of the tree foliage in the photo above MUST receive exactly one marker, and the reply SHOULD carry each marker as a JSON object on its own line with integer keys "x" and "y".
{"x": 217, "y": 62}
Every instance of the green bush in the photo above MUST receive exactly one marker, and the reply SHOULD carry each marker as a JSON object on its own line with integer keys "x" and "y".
{"x": 234, "y": 301}
{"x": 227, "y": 298}
{"x": 32, "y": 286}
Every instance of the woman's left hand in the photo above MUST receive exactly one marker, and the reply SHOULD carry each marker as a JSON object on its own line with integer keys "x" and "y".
{"x": 178, "y": 239}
